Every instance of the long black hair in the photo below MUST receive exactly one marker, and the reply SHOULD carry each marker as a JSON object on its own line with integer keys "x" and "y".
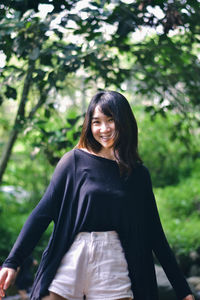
{"x": 125, "y": 146}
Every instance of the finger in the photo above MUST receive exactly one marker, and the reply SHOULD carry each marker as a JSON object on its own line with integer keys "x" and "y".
{"x": 2, "y": 294}
{"x": 3, "y": 275}
{"x": 9, "y": 279}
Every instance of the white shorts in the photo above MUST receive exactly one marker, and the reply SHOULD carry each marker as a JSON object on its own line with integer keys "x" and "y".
{"x": 94, "y": 267}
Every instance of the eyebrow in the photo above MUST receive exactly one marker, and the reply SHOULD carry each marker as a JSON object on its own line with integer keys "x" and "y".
{"x": 95, "y": 118}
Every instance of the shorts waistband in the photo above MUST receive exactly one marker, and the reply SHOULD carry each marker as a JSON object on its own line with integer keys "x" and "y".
{"x": 97, "y": 235}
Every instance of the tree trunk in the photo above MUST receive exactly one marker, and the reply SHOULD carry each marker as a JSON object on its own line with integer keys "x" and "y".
{"x": 18, "y": 121}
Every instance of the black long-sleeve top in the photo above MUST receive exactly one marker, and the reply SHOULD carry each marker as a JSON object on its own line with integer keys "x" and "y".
{"x": 87, "y": 193}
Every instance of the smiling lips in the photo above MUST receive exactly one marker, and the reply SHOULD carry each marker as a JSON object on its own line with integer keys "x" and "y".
{"x": 106, "y": 138}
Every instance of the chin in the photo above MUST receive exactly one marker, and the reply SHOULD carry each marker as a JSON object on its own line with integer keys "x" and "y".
{"x": 107, "y": 146}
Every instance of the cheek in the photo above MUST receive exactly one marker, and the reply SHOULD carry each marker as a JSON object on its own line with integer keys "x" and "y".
{"x": 94, "y": 130}
{"x": 113, "y": 128}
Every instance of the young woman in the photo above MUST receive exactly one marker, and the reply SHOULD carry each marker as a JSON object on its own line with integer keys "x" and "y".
{"x": 106, "y": 220}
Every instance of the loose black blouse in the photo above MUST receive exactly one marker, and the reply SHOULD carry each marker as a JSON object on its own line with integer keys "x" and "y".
{"x": 87, "y": 193}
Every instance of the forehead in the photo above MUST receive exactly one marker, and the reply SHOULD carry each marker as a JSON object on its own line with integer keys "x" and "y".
{"x": 98, "y": 113}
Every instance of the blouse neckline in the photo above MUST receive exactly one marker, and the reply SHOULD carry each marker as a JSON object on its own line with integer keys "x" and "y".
{"x": 97, "y": 156}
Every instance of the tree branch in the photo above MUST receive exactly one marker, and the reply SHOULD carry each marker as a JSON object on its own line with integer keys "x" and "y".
{"x": 18, "y": 120}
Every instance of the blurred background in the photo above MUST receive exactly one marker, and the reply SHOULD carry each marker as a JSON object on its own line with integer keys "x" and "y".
{"x": 55, "y": 55}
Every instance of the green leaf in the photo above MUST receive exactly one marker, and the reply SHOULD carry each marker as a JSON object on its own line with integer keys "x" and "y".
{"x": 1, "y": 99}
{"x": 11, "y": 92}
{"x": 40, "y": 75}
{"x": 47, "y": 113}
{"x": 34, "y": 54}
{"x": 72, "y": 121}
{"x": 45, "y": 59}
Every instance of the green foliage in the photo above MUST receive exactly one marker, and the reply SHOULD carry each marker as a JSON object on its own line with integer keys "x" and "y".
{"x": 54, "y": 134}
{"x": 179, "y": 208}
{"x": 168, "y": 159}
{"x": 12, "y": 215}
{"x": 14, "y": 211}
{"x": 29, "y": 171}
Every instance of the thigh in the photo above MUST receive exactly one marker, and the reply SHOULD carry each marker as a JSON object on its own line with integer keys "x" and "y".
{"x": 53, "y": 296}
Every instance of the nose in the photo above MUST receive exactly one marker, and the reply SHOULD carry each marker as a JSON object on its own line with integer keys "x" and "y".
{"x": 105, "y": 127}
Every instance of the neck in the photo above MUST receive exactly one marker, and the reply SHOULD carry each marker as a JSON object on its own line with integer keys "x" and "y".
{"x": 107, "y": 153}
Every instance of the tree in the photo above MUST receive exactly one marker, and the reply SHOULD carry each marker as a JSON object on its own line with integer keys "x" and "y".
{"x": 30, "y": 51}
{"x": 164, "y": 63}
{"x": 42, "y": 57}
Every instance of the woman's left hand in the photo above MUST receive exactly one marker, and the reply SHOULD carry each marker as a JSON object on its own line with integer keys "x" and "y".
{"x": 189, "y": 297}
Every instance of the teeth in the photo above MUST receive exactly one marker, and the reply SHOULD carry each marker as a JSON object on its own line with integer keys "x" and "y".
{"x": 105, "y": 137}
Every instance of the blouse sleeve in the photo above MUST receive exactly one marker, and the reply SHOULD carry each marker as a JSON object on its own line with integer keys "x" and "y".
{"x": 46, "y": 211}
{"x": 161, "y": 248}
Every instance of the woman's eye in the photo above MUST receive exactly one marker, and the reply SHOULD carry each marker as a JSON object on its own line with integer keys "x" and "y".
{"x": 111, "y": 120}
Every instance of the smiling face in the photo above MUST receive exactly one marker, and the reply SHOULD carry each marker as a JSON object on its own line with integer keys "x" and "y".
{"x": 103, "y": 128}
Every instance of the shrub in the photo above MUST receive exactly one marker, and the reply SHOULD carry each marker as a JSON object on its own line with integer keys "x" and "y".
{"x": 168, "y": 159}
{"x": 179, "y": 208}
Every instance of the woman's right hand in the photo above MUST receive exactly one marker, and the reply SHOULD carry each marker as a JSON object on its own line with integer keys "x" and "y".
{"x": 7, "y": 277}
